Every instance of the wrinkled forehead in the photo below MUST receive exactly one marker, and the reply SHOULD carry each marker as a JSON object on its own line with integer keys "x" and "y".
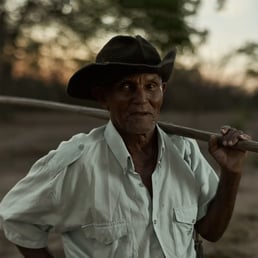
{"x": 141, "y": 77}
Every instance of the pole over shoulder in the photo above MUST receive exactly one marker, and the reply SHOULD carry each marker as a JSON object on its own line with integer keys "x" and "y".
{"x": 102, "y": 114}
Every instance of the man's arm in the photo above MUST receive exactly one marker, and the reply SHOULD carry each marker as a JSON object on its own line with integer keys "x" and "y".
{"x": 35, "y": 253}
{"x": 220, "y": 210}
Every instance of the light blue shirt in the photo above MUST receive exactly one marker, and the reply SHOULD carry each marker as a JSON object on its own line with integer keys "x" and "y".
{"x": 88, "y": 191}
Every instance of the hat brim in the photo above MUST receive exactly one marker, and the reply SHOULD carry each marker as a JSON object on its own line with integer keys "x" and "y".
{"x": 82, "y": 82}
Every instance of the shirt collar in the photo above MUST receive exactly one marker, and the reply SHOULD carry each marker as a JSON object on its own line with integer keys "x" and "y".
{"x": 119, "y": 149}
{"x": 117, "y": 145}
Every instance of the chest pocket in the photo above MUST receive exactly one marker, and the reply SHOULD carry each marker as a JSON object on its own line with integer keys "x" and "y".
{"x": 184, "y": 219}
{"x": 105, "y": 233}
{"x": 109, "y": 240}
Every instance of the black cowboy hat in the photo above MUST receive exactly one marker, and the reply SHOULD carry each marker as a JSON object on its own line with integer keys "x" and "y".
{"x": 120, "y": 57}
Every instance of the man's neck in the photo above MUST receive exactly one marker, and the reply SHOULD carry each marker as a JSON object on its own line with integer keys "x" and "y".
{"x": 141, "y": 143}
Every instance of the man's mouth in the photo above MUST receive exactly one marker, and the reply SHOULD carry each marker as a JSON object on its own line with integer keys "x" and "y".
{"x": 139, "y": 113}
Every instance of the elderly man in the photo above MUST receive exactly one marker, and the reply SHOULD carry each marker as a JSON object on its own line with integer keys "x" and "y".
{"x": 126, "y": 189}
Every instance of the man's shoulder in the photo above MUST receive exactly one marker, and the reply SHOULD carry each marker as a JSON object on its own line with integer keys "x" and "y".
{"x": 181, "y": 143}
{"x": 83, "y": 139}
{"x": 69, "y": 151}
{"x": 80, "y": 143}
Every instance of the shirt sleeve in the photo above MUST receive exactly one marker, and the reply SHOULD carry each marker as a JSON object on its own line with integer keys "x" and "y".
{"x": 205, "y": 175}
{"x": 28, "y": 212}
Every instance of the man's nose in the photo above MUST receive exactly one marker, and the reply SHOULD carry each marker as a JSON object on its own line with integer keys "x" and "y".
{"x": 140, "y": 95}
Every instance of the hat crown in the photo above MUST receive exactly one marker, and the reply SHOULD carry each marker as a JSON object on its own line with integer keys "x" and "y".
{"x": 127, "y": 49}
{"x": 120, "y": 57}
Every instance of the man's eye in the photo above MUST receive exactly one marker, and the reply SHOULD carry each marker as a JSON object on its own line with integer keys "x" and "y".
{"x": 125, "y": 86}
{"x": 152, "y": 86}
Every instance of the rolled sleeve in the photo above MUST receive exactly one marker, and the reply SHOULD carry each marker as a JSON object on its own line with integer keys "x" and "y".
{"x": 24, "y": 211}
{"x": 205, "y": 175}
{"x": 29, "y": 210}
{"x": 25, "y": 235}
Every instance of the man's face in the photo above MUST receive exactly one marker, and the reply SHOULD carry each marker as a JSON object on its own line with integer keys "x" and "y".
{"x": 134, "y": 103}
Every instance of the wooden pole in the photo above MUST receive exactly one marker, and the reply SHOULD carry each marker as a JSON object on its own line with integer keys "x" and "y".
{"x": 102, "y": 114}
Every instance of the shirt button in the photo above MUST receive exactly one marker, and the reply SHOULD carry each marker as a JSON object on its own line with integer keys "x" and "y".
{"x": 81, "y": 147}
{"x": 154, "y": 221}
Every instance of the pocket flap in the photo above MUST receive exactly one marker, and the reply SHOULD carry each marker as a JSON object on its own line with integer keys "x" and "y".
{"x": 186, "y": 215}
{"x": 105, "y": 233}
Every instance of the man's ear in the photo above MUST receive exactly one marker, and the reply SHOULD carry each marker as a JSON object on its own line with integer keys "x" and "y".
{"x": 99, "y": 94}
{"x": 164, "y": 86}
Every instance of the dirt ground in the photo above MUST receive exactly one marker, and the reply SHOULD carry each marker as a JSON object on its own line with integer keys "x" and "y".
{"x": 26, "y": 136}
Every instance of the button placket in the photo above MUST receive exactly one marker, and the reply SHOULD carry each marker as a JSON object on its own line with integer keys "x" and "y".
{"x": 155, "y": 198}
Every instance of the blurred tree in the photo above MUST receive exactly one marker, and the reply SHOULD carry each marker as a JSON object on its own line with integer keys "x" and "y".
{"x": 250, "y": 50}
{"x": 189, "y": 91}
{"x": 59, "y": 34}
{"x": 248, "y": 53}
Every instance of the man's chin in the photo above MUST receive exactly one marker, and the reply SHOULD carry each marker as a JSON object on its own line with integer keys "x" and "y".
{"x": 140, "y": 129}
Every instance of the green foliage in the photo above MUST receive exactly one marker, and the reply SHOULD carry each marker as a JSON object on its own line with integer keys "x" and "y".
{"x": 220, "y": 4}
{"x": 250, "y": 49}
{"x": 164, "y": 20}
{"x": 249, "y": 53}
{"x": 28, "y": 27}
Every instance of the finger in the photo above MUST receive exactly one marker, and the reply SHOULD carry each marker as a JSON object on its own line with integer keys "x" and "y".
{"x": 224, "y": 129}
{"x": 213, "y": 143}
{"x": 233, "y": 136}
{"x": 245, "y": 137}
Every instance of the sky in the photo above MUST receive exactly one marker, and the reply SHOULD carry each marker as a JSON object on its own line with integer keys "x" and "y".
{"x": 236, "y": 23}
{"x": 229, "y": 28}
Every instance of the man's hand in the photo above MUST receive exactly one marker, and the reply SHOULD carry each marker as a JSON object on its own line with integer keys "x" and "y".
{"x": 229, "y": 159}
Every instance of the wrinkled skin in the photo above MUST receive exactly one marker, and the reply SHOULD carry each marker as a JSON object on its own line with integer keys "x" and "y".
{"x": 229, "y": 159}
{"x": 134, "y": 103}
